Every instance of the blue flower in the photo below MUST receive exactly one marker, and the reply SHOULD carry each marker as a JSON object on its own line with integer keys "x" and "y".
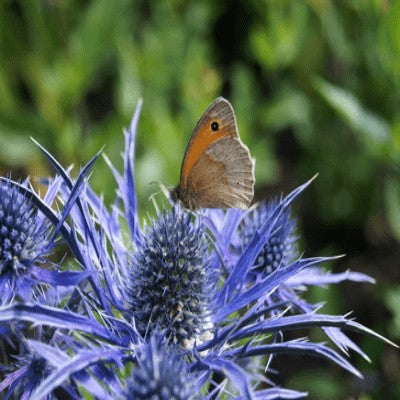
{"x": 169, "y": 284}
{"x": 29, "y": 369}
{"x": 26, "y": 238}
{"x": 235, "y": 229}
{"x": 22, "y": 234}
{"x": 280, "y": 249}
{"x": 160, "y": 374}
{"x": 213, "y": 297}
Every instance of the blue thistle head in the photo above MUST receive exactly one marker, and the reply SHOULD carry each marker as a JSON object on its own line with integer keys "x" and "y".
{"x": 281, "y": 248}
{"x": 22, "y": 233}
{"x": 169, "y": 285}
{"x": 30, "y": 369}
{"x": 161, "y": 374}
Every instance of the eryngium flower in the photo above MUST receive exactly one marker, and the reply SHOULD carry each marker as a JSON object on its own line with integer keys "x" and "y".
{"x": 280, "y": 249}
{"x": 160, "y": 374}
{"x": 249, "y": 318}
{"x": 169, "y": 283}
{"x": 29, "y": 370}
{"x": 22, "y": 233}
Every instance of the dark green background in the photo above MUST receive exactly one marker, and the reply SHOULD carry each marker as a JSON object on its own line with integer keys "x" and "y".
{"x": 316, "y": 88}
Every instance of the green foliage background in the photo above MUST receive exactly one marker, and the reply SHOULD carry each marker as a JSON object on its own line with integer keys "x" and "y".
{"x": 316, "y": 88}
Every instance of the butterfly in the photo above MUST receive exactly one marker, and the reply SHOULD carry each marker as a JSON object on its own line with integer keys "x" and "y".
{"x": 217, "y": 169}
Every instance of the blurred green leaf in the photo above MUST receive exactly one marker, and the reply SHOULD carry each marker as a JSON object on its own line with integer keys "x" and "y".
{"x": 392, "y": 299}
{"x": 320, "y": 385}
{"x": 392, "y": 200}
{"x": 15, "y": 149}
{"x": 277, "y": 39}
{"x": 388, "y": 43}
{"x": 371, "y": 126}
{"x": 333, "y": 28}
{"x": 289, "y": 108}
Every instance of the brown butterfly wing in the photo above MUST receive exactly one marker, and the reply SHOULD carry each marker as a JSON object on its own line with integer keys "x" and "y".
{"x": 220, "y": 112}
{"x": 222, "y": 177}
{"x": 217, "y": 170}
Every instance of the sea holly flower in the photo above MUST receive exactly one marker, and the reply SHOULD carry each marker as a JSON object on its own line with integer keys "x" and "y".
{"x": 38, "y": 358}
{"x": 30, "y": 368}
{"x": 29, "y": 227}
{"x": 26, "y": 237}
{"x": 220, "y": 316}
{"x": 170, "y": 283}
{"x": 23, "y": 237}
{"x": 233, "y": 231}
{"x": 280, "y": 249}
{"x": 161, "y": 374}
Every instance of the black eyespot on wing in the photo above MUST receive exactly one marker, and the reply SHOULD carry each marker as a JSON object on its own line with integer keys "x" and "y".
{"x": 214, "y": 126}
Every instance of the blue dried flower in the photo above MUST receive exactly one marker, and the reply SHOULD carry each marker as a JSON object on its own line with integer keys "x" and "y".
{"x": 29, "y": 370}
{"x": 22, "y": 233}
{"x": 281, "y": 247}
{"x": 168, "y": 277}
{"x": 26, "y": 237}
{"x": 169, "y": 286}
{"x": 160, "y": 374}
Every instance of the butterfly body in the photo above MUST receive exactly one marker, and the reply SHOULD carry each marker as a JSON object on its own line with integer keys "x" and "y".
{"x": 217, "y": 169}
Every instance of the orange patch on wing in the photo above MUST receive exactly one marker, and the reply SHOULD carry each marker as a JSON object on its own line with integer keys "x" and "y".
{"x": 204, "y": 138}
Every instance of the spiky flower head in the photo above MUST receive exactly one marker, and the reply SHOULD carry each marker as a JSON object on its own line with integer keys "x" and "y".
{"x": 169, "y": 284}
{"x": 30, "y": 368}
{"x": 161, "y": 374}
{"x": 281, "y": 247}
{"x": 22, "y": 233}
